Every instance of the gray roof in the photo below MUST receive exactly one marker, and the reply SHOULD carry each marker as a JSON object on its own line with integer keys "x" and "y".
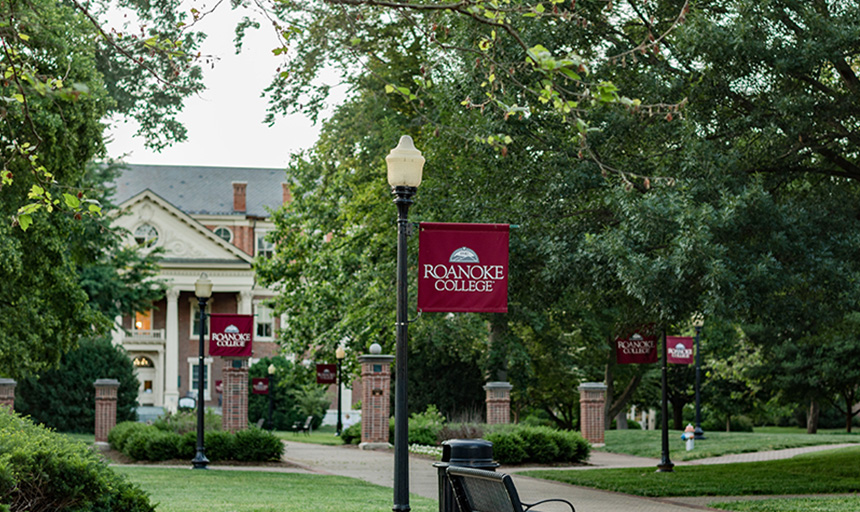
{"x": 204, "y": 190}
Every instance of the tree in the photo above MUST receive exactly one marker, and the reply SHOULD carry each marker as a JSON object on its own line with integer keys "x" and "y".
{"x": 64, "y": 398}
{"x": 63, "y": 77}
{"x": 287, "y": 384}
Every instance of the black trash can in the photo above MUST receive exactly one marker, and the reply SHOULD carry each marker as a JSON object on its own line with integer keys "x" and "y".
{"x": 470, "y": 453}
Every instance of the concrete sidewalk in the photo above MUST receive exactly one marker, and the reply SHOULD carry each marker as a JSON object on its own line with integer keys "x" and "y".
{"x": 378, "y": 467}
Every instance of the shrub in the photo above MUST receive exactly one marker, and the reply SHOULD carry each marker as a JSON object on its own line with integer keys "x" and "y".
{"x": 257, "y": 445}
{"x": 120, "y": 433}
{"x": 424, "y": 427}
{"x": 183, "y": 422}
{"x": 51, "y": 401}
{"x": 514, "y": 444}
{"x": 219, "y": 445}
{"x": 44, "y": 471}
{"x": 507, "y": 447}
{"x": 351, "y": 434}
{"x": 461, "y": 431}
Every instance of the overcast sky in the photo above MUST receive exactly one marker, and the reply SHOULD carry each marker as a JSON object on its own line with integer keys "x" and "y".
{"x": 225, "y": 123}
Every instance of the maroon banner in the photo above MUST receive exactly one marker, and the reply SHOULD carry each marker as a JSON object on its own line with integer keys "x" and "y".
{"x": 260, "y": 386}
{"x": 326, "y": 374}
{"x": 679, "y": 349}
{"x": 231, "y": 335}
{"x": 463, "y": 268}
{"x": 637, "y": 347}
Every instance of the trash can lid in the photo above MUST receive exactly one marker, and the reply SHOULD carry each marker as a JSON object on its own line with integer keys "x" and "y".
{"x": 468, "y": 452}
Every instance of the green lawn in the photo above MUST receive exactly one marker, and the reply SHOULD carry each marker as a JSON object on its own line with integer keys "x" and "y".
{"x": 187, "y": 490}
{"x": 646, "y": 443}
{"x": 827, "y": 472}
{"x": 325, "y": 435}
{"x": 84, "y": 438}
{"x": 837, "y": 504}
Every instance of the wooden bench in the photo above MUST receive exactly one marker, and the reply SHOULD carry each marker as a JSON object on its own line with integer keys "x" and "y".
{"x": 306, "y": 427}
{"x": 477, "y": 490}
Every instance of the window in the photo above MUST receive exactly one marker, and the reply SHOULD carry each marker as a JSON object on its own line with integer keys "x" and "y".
{"x": 143, "y": 362}
{"x": 143, "y": 321}
{"x": 193, "y": 368}
{"x": 265, "y": 248}
{"x": 265, "y": 325}
{"x": 145, "y": 235}
{"x": 195, "y": 317}
{"x": 224, "y": 233}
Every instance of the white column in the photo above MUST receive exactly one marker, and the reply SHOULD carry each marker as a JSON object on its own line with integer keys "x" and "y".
{"x": 244, "y": 302}
{"x": 117, "y": 334}
{"x": 171, "y": 355}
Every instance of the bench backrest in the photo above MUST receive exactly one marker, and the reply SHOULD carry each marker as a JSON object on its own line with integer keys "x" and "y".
{"x": 477, "y": 490}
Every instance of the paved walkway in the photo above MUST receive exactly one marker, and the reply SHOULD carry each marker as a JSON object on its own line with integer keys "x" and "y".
{"x": 378, "y": 467}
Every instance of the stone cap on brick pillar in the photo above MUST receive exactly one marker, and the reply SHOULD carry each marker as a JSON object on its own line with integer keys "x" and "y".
{"x": 8, "y": 383}
{"x": 106, "y": 388}
{"x": 597, "y": 387}
{"x": 500, "y": 385}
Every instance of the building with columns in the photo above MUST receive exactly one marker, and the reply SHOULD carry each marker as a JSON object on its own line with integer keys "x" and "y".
{"x": 204, "y": 219}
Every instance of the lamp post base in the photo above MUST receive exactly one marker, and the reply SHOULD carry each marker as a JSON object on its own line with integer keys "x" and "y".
{"x": 665, "y": 467}
{"x": 699, "y": 433}
{"x": 199, "y": 461}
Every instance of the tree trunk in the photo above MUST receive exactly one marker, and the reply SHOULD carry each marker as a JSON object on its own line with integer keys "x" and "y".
{"x": 677, "y": 413}
{"x": 621, "y": 421}
{"x": 497, "y": 357}
{"x": 609, "y": 379}
{"x": 728, "y": 423}
{"x": 812, "y": 417}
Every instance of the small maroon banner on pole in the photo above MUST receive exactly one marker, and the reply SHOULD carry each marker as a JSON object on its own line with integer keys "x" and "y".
{"x": 219, "y": 386}
{"x": 231, "y": 335}
{"x": 680, "y": 349}
{"x": 463, "y": 268}
{"x": 326, "y": 374}
{"x": 637, "y": 347}
{"x": 260, "y": 386}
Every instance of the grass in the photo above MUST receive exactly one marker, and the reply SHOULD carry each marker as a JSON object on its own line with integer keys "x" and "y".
{"x": 816, "y": 504}
{"x": 186, "y": 490}
{"x": 84, "y": 438}
{"x": 826, "y": 472}
{"x": 324, "y": 435}
{"x": 646, "y": 443}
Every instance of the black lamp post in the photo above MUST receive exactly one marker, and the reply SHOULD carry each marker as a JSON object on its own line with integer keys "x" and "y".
{"x": 272, "y": 370}
{"x": 665, "y": 465}
{"x": 699, "y": 433}
{"x": 340, "y": 354}
{"x": 405, "y": 165}
{"x": 203, "y": 290}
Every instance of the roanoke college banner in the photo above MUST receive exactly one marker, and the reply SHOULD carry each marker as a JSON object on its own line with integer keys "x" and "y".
{"x": 231, "y": 335}
{"x": 640, "y": 346}
{"x": 679, "y": 349}
{"x": 326, "y": 374}
{"x": 463, "y": 268}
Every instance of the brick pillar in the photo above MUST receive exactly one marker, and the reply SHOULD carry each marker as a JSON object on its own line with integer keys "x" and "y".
{"x": 498, "y": 402}
{"x": 234, "y": 403}
{"x": 592, "y": 398}
{"x": 106, "y": 390}
{"x": 7, "y": 393}
{"x": 375, "y": 398}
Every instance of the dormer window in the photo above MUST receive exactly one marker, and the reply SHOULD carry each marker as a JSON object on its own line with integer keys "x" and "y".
{"x": 145, "y": 235}
{"x": 224, "y": 233}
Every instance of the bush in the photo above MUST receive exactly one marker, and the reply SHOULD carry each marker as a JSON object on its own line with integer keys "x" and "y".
{"x": 183, "y": 422}
{"x": 351, "y": 434}
{"x": 257, "y": 445}
{"x": 51, "y": 401}
{"x": 41, "y": 471}
{"x": 515, "y": 444}
{"x": 508, "y": 447}
{"x": 120, "y": 434}
{"x": 425, "y": 427}
{"x": 219, "y": 445}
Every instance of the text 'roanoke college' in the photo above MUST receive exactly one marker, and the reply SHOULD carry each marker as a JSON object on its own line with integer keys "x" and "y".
{"x": 464, "y": 278}
{"x": 223, "y": 339}
{"x": 636, "y": 346}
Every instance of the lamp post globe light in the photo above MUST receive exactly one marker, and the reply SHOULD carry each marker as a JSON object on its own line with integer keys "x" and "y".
{"x": 272, "y": 370}
{"x": 203, "y": 290}
{"x": 698, "y": 323}
{"x": 340, "y": 354}
{"x": 405, "y": 165}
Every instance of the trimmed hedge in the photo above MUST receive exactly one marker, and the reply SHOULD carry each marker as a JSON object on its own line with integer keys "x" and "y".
{"x": 516, "y": 444}
{"x": 148, "y": 442}
{"x": 42, "y": 471}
